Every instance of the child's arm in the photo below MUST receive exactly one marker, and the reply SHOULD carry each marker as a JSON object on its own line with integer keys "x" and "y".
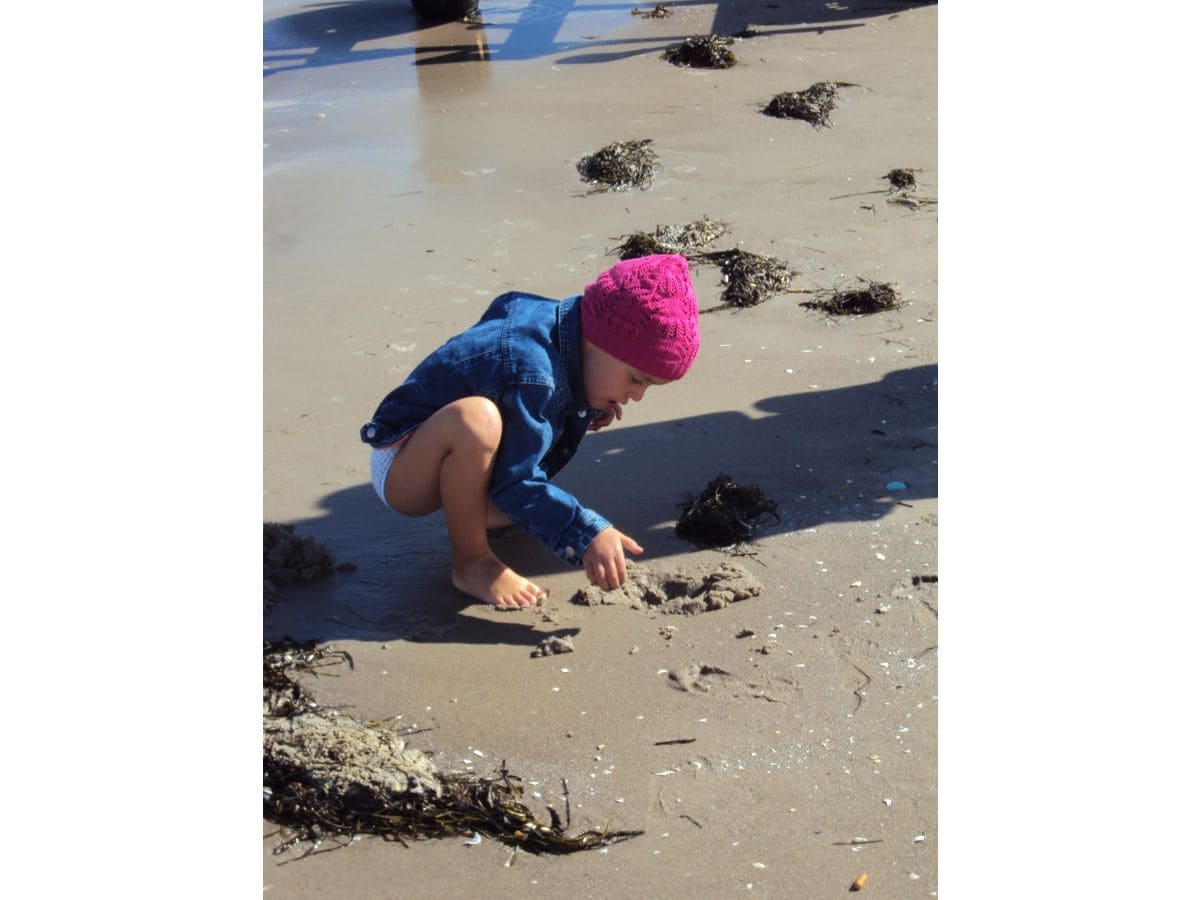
{"x": 521, "y": 487}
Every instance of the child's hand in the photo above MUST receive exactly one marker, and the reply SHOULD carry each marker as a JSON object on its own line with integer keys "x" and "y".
{"x": 605, "y": 418}
{"x": 604, "y": 559}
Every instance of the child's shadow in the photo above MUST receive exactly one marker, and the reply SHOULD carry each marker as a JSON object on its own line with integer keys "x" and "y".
{"x": 399, "y": 586}
{"x": 821, "y": 455}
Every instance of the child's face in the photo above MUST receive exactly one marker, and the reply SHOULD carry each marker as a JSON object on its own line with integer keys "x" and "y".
{"x": 610, "y": 383}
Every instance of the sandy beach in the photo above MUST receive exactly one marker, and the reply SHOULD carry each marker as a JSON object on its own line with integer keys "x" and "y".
{"x": 412, "y": 172}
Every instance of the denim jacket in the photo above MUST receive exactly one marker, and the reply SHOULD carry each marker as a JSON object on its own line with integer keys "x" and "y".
{"x": 526, "y": 356}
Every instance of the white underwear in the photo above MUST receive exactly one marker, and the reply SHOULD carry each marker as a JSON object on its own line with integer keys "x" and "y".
{"x": 381, "y": 463}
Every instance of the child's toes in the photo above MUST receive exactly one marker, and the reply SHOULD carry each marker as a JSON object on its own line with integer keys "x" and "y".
{"x": 513, "y": 601}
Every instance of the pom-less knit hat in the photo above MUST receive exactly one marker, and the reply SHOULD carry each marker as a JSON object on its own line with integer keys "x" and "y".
{"x": 643, "y": 312}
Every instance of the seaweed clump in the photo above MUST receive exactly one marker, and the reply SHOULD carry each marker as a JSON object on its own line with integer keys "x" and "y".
{"x": 681, "y": 239}
{"x": 709, "y": 52}
{"x": 875, "y": 297}
{"x": 288, "y": 558}
{"x": 327, "y": 776}
{"x": 813, "y": 104}
{"x": 659, "y": 12}
{"x": 750, "y": 277}
{"x": 620, "y": 165}
{"x": 901, "y": 179}
{"x": 724, "y": 513}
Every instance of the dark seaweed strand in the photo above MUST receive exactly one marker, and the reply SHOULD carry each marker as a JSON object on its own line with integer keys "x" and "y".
{"x": 875, "y": 297}
{"x": 284, "y": 697}
{"x": 659, "y": 12}
{"x": 489, "y": 806}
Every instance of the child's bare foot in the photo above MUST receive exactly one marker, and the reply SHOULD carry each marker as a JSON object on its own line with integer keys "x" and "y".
{"x": 491, "y": 581}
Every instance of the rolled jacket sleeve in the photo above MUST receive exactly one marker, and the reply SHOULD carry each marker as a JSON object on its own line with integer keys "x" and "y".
{"x": 521, "y": 487}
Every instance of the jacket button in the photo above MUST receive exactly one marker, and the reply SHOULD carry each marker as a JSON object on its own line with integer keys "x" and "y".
{"x": 582, "y": 413}
{"x": 371, "y": 432}
{"x": 569, "y": 553}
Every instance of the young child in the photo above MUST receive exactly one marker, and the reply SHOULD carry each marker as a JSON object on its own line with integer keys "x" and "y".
{"x": 482, "y": 425}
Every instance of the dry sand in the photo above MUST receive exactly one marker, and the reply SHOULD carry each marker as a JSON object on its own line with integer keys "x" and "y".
{"x": 407, "y": 182}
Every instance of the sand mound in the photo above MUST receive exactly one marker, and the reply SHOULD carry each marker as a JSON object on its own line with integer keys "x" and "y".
{"x": 289, "y": 558}
{"x": 676, "y": 592}
{"x": 554, "y": 645}
{"x": 347, "y": 759}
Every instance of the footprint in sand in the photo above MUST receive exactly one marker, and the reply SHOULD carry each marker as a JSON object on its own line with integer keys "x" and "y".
{"x": 691, "y": 678}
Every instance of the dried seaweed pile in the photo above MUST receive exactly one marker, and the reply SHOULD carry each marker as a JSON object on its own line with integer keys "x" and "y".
{"x": 750, "y": 277}
{"x": 875, "y": 297}
{"x": 327, "y": 776}
{"x": 724, "y": 513}
{"x": 681, "y": 239}
{"x": 813, "y": 104}
{"x": 659, "y": 12}
{"x": 288, "y": 559}
{"x": 709, "y": 52}
{"x": 620, "y": 165}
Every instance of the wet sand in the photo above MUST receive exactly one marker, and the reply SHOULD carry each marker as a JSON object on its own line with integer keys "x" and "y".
{"x": 413, "y": 173}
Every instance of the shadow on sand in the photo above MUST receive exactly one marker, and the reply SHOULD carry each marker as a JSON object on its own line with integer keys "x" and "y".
{"x": 824, "y": 456}
{"x": 340, "y": 33}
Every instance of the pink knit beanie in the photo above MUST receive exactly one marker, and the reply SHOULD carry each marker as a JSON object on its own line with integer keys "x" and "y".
{"x": 643, "y": 312}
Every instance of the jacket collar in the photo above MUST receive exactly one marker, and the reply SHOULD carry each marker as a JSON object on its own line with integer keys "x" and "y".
{"x": 570, "y": 339}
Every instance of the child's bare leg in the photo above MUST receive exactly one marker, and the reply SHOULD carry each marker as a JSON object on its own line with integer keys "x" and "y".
{"x": 448, "y": 464}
